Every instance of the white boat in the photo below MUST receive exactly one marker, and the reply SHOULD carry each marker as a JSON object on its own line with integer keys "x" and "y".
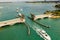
{"x": 21, "y": 9}
{"x": 43, "y": 34}
{"x": 20, "y": 14}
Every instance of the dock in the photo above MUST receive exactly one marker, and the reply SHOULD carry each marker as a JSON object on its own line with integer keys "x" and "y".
{"x": 42, "y": 16}
{"x": 11, "y": 22}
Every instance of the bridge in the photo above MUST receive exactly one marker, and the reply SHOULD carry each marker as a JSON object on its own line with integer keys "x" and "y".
{"x": 12, "y": 22}
{"x": 41, "y": 16}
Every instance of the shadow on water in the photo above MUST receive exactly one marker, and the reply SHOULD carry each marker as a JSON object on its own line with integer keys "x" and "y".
{"x": 40, "y": 23}
{"x": 4, "y": 27}
{"x": 9, "y": 26}
{"x": 58, "y": 19}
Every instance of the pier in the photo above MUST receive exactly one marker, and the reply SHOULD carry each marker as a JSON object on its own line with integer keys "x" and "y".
{"x": 12, "y": 22}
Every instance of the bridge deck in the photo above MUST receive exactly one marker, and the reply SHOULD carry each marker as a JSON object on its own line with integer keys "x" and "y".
{"x": 11, "y": 22}
{"x": 41, "y": 16}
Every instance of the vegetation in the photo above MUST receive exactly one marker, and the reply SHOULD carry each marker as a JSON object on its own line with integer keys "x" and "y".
{"x": 57, "y": 6}
{"x": 42, "y": 1}
{"x": 54, "y": 12}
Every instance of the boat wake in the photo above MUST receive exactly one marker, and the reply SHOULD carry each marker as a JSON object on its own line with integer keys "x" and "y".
{"x": 42, "y": 33}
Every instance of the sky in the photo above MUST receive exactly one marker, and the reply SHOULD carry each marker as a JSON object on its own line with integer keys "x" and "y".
{"x": 24, "y": 0}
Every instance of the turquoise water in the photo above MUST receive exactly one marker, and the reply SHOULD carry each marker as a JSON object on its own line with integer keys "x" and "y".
{"x": 19, "y": 31}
